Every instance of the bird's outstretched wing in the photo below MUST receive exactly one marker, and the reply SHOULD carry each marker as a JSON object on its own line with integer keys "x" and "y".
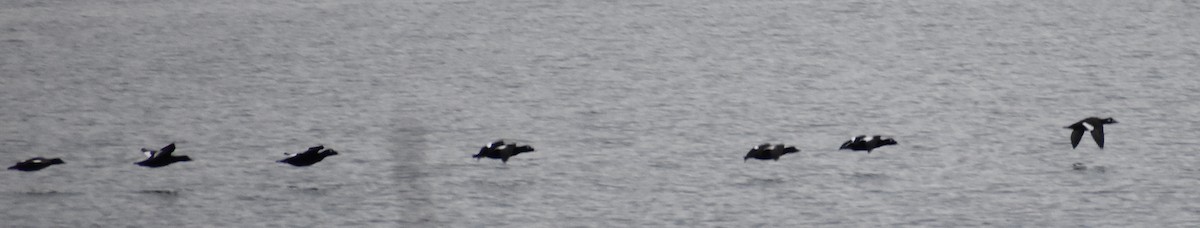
{"x": 1076, "y": 135}
{"x": 315, "y": 149}
{"x": 167, "y": 149}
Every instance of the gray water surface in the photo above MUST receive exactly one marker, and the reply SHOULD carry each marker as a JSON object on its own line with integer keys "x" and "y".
{"x": 640, "y": 112}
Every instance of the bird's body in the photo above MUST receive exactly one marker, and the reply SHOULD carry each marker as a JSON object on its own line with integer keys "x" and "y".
{"x": 502, "y": 151}
{"x": 855, "y": 142}
{"x": 765, "y": 151}
{"x": 1094, "y": 125}
{"x": 35, "y": 164}
{"x": 861, "y": 143}
{"x": 162, "y": 157}
{"x": 309, "y": 157}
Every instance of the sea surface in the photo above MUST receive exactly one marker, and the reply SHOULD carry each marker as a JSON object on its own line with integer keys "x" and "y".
{"x": 640, "y": 111}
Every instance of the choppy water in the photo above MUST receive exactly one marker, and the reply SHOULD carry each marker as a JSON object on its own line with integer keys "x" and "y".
{"x": 640, "y": 111}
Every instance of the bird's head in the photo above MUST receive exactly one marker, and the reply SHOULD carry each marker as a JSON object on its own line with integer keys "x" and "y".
{"x": 329, "y": 152}
{"x": 888, "y": 142}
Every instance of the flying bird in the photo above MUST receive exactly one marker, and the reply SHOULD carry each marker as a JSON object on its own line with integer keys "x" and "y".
{"x": 309, "y": 157}
{"x": 502, "y": 151}
{"x": 35, "y": 164}
{"x": 861, "y": 143}
{"x": 765, "y": 151}
{"x": 1094, "y": 125}
{"x": 162, "y": 157}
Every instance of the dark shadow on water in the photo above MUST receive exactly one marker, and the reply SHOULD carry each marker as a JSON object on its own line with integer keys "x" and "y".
{"x": 160, "y": 197}
{"x": 1089, "y": 169}
{"x": 304, "y": 189}
{"x": 48, "y": 193}
{"x": 161, "y": 192}
{"x": 313, "y": 190}
{"x": 261, "y": 198}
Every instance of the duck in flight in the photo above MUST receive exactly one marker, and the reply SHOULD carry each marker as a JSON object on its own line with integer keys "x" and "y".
{"x": 35, "y": 164}
{"x": 1094, "y": 125}
{"x": 861, "y": 143}
{"x": 501, "y": 150}
{"x": 309, "y": 157}
{"x": 162, "y": 157}
{"x": 765, "y": 151}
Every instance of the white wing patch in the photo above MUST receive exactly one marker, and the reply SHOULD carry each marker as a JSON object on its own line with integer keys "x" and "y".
{"x": 37, "y": 161}
{"x": 1088, "y": 126}
{"x": 148, "y": 153}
